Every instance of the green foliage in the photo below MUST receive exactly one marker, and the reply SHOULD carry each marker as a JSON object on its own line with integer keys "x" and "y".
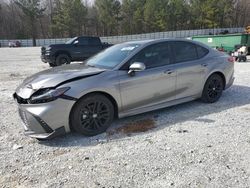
{"x": 140, "y": 16}
{"x": 69, "y": 18}
{"x": 108, "y": 15}
{"x": 33, "y": 10}
{"x": 127, "y": 12}
{"x": 211, "y": 13}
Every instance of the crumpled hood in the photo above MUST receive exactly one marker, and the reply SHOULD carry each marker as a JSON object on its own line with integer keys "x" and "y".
{"x": 53, "y": 77}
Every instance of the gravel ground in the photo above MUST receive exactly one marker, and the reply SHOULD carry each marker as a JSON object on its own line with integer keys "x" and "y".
{"x": 189, "y": 145}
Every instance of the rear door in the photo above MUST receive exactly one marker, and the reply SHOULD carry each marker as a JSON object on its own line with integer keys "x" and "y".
{"x": 190, "y": 68}
{"x": 95, "y": 46}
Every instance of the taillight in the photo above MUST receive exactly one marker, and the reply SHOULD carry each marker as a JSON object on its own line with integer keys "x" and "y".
{"x": 231, "y": 59}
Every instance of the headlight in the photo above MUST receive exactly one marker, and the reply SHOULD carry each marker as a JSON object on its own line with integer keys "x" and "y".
{"x": 47, "y": 95}
{"x": 48, "y": 51}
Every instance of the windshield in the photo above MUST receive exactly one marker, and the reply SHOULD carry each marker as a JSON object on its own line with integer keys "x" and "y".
{"x": 112, "y": 56}
{"x": 71, "y": 40}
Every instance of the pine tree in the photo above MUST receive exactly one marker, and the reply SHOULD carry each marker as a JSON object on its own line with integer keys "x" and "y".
{"x": 33, "y": 10}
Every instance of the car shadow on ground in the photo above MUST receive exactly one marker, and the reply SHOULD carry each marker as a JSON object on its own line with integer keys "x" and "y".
{"x": 125, "y": 128}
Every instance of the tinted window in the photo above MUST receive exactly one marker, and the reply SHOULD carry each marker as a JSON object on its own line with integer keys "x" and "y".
{"x": 94, "y": 41}
{"x": 83, "y": 41}
{"x": 154, "y": 56}
{"x": 201, "y": 51}
{"x": 184, "y": 51}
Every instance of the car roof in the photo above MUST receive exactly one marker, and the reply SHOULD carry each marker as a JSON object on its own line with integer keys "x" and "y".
{"x": 152, "y": 41}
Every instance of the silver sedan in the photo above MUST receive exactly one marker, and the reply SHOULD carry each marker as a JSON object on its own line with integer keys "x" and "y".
{"x": 123, "y": 80}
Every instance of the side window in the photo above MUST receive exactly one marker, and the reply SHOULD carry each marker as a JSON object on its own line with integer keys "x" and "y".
{"x": 201, "y": 51}
{"x": 184, "y": 51}
{"x": 154, "y": 56}
{"x": 83, "y": 41}
{"x": 94, "y": 41}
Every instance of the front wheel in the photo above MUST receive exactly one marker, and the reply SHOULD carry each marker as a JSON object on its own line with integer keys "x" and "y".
{"x": 62, "y": 59}
{"x": 92, "y": 115}
{"x": 213, "y": 89}
{"x": 52, "y": 65}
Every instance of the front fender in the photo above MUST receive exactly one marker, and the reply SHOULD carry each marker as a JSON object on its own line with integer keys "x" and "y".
{"x": 107, "y": 83}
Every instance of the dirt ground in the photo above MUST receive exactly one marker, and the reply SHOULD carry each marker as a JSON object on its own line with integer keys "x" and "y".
{"x": 188, "y": 145}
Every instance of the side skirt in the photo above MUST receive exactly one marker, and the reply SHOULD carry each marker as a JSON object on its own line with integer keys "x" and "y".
{"x": 156, "y": 107}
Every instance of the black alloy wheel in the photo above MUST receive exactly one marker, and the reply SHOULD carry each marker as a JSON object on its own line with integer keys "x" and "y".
{"x": 92, "y": 115}
{"x": 213, "y": 89}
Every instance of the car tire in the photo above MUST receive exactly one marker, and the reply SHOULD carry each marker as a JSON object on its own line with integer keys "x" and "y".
{"x": 62, "y": 59}
{"x": 213, "y": 89}
{"x": 41, "y": 139}
{"x": 92, "y": 115}
{"x": 52, "y": 65}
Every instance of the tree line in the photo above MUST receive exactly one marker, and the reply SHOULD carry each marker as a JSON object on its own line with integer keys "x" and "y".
{"x": 67, "y": 18}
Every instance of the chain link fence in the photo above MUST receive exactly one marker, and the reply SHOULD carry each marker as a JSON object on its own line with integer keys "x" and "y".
{"x": 124, "y": 38}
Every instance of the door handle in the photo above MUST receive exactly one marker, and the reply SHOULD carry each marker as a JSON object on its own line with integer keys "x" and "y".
{"x": 169, "y": 71}
{"x": 204, "y": 65}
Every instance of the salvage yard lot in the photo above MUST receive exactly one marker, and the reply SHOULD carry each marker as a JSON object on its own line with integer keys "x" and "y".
{"x": 188, "y": 145}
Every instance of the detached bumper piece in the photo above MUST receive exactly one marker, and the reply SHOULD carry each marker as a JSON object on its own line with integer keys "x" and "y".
{"x": 35, "y": 127}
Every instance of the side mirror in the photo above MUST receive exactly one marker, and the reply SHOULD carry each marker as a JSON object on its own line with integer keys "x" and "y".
{"x": 75, "y": 43}
{"x": 136, "y": 67}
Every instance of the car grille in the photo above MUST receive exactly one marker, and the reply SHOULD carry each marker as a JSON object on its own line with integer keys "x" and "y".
{"x": 43, "y": 50}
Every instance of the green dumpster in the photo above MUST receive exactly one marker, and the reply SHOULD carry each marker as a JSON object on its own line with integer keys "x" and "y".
{"x": 227, "y": 42}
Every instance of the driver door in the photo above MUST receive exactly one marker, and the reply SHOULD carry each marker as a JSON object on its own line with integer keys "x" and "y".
{"x": 80, "y": 49}
{"x": 155, "y": 85}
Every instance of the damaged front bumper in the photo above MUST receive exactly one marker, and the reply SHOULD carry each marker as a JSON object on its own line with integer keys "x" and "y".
{"x": 46, "y": 120}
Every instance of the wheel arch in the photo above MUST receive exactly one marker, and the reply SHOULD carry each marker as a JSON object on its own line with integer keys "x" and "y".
{"x": 110, "y": 97}
{"x": 221, "y": 75}
{"x": 60, "y": 52}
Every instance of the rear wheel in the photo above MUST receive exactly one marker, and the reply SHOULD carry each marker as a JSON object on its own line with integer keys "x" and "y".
{"x": 92, "y": 115}
{"x": 62, "y": 59}
{"x": 213, "y": 89}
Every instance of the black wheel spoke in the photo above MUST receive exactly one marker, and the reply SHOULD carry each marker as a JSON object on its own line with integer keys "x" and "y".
{"x": 85, "y": 123}
{"x": 217, "y": 89}
{"x": 98, "y": 122}
{"x": 214, "y": 88}
{"x": 94, "y": 115}
{"x": 103, "y": 116}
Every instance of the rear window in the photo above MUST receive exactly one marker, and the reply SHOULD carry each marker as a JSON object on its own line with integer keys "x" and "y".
{"x": 94, "y": 41}
{"x": 201, "y": 51}
{"x": 83, "y": 41}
